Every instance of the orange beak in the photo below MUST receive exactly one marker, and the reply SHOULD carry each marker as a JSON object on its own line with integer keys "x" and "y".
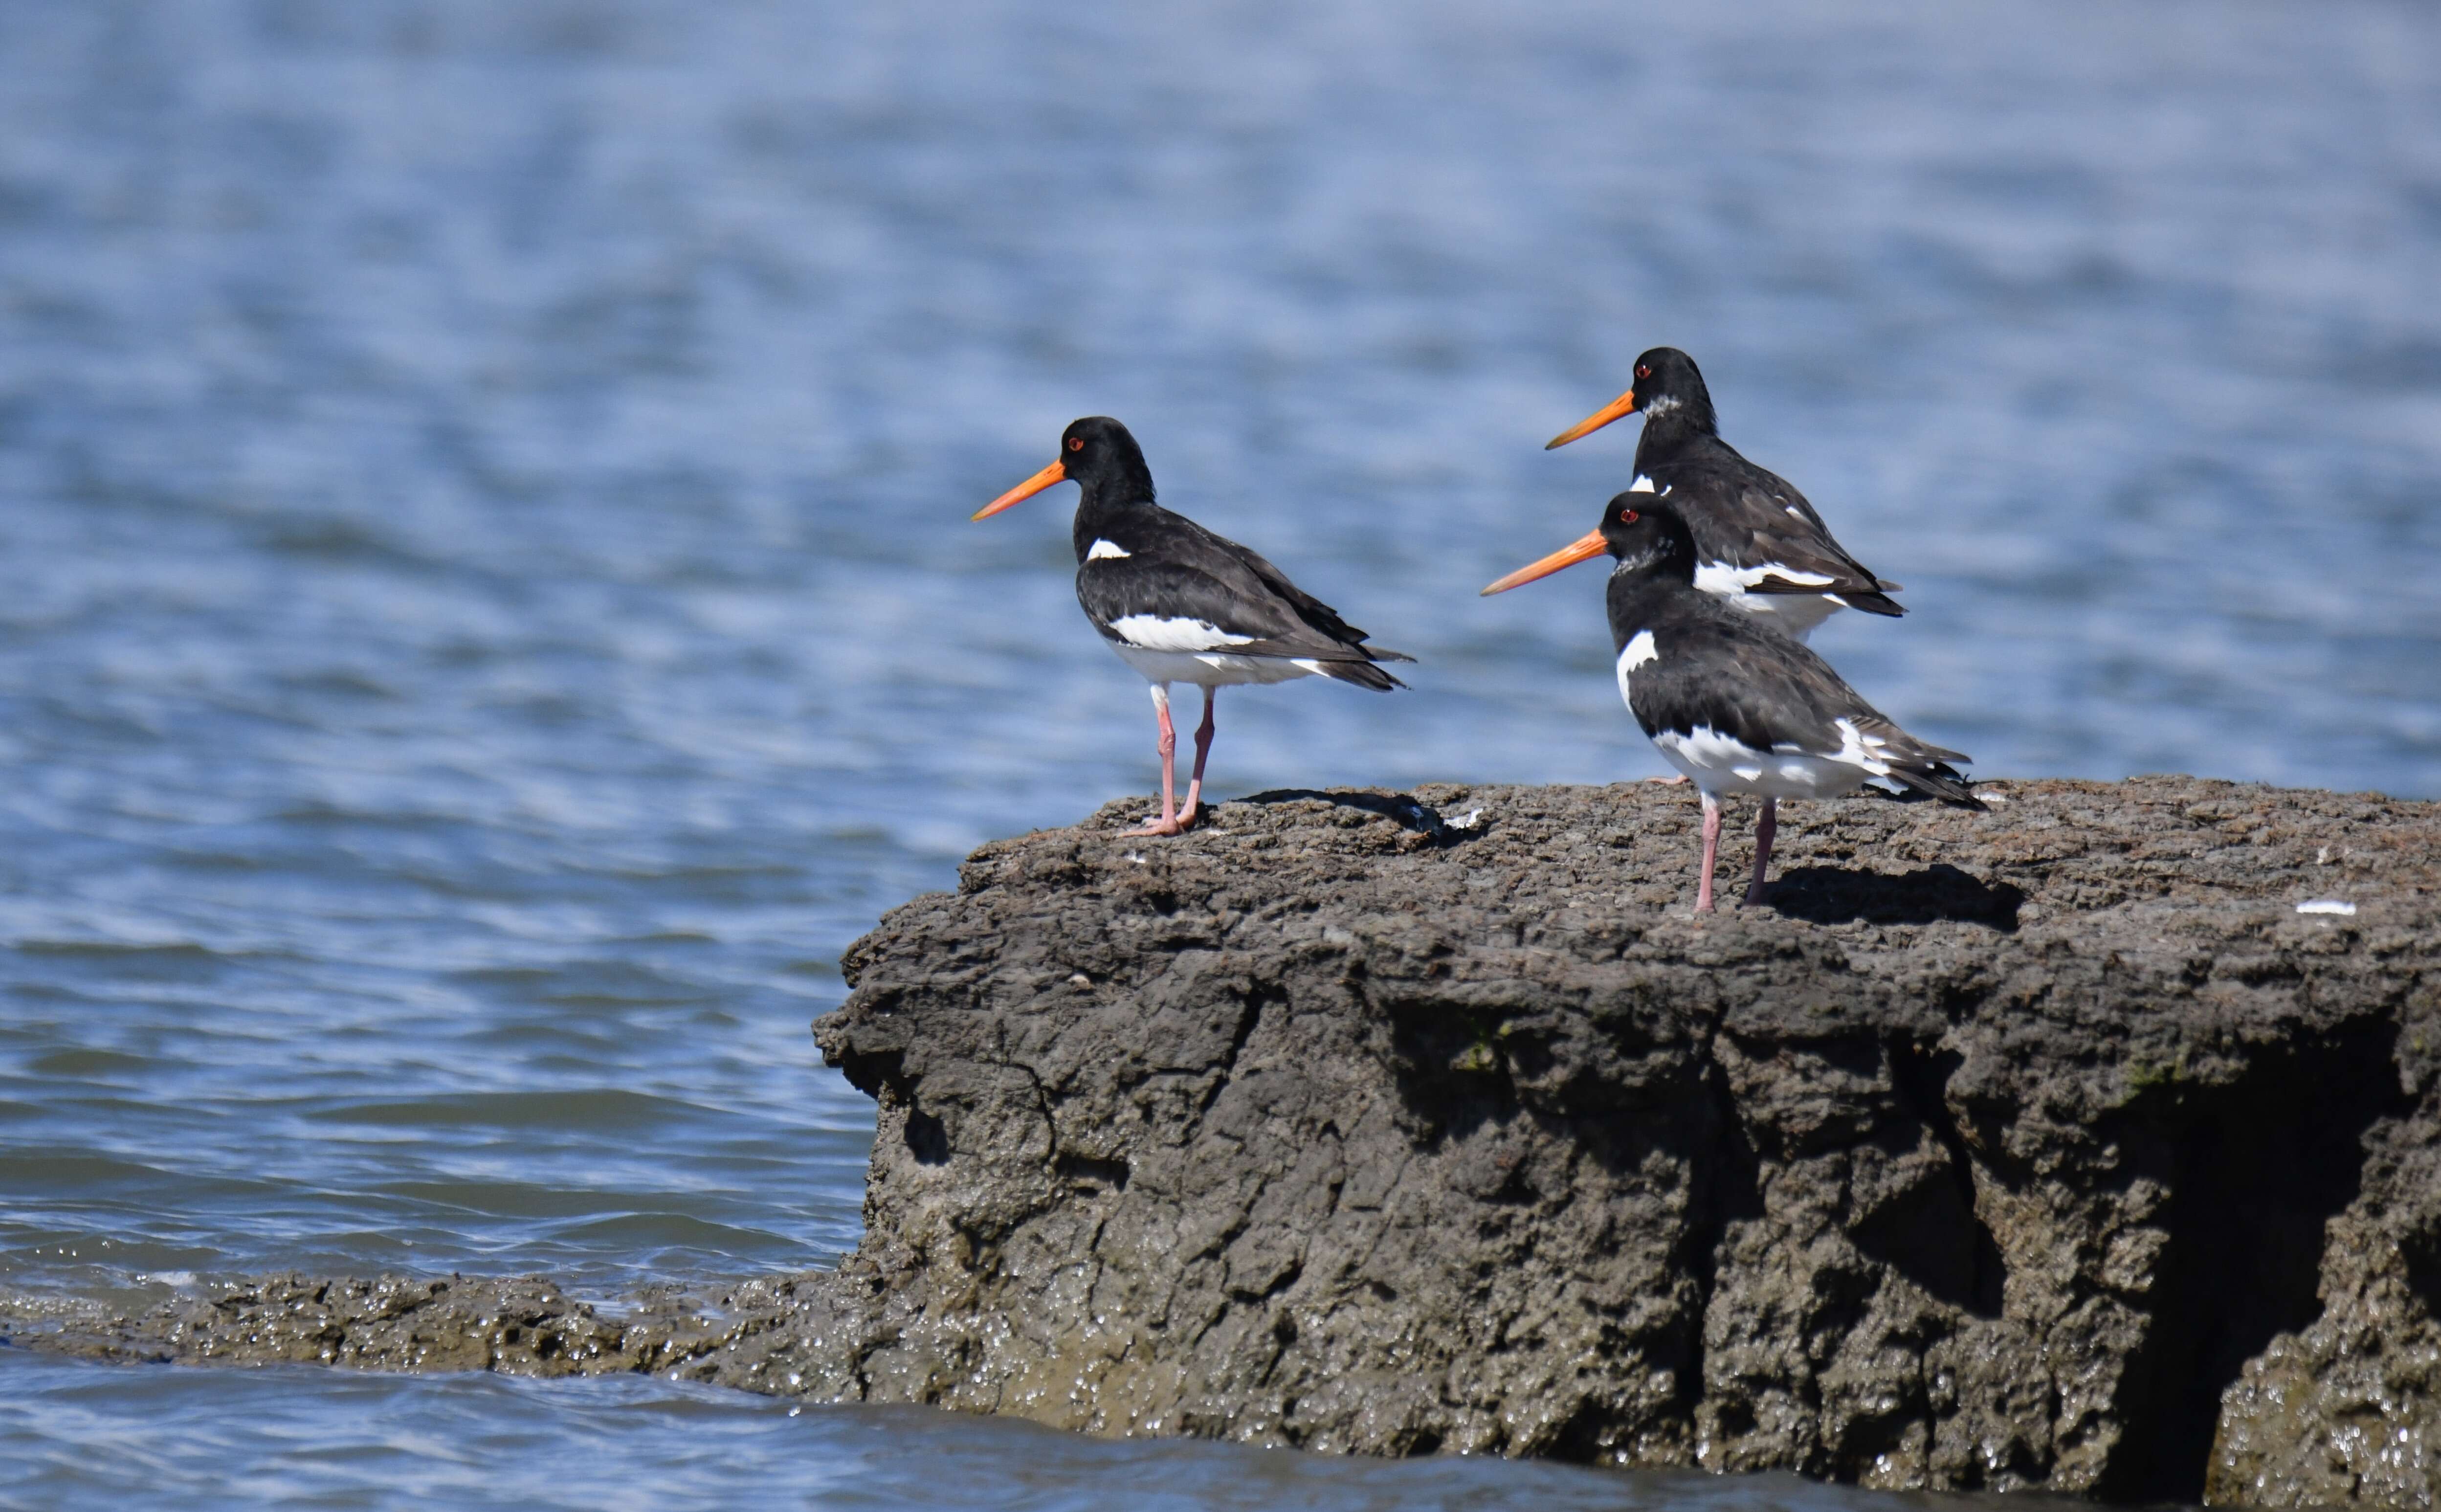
{"x": 1584, "y": 548}
{"x": 1623, "y": 404}
{"x": 1024, "y": 491}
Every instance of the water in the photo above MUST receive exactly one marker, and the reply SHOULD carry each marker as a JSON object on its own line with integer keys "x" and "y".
{"x": 487, "y": 611}
{"x": 78, "y": 1434}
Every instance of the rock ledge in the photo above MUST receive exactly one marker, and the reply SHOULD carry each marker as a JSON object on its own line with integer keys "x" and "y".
{"x": 2050, "y": 1147}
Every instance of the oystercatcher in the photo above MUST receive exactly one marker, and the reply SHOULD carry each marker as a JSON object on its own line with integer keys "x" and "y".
{"x": 1736, "y": 705}
{"x": 1182, "y": 604}
{"x": 1758, "y": 543}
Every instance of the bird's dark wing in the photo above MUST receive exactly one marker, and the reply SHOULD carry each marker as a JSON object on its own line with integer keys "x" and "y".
{"x": 1707, "y": 676}
{"x": 1321, "y": 617}
{"x": 1207, "y": 571}
{"x": 1771, "y": 693}
{"x": 1164, "y": 605}
{"x": 1749, "y": 518}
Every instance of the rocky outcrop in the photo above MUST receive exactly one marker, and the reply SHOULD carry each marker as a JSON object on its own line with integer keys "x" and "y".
{"x": 2047, "y": 1148}
{"x": 1991, "y": 1154}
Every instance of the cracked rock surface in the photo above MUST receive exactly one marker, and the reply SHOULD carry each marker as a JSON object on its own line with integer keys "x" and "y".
{"x": 2051, "y": 1148}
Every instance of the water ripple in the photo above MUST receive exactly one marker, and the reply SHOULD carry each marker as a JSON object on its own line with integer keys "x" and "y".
{"x": 487, "y": 612}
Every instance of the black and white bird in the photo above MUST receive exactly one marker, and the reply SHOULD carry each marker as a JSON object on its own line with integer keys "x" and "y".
{"x": 1182, "y": 604}
{"x": 1758, "y": 543}
{"x": 1736, "y": 705}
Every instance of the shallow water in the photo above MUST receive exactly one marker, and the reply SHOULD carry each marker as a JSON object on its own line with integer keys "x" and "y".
{"x": 487, "y": 611}
{"x": 78, "y": 1434}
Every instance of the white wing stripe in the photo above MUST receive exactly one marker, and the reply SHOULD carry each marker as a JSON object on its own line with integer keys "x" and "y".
{"x": 1152, "y": 631}
{"x": 1727, "y": 577}
{"x": 1721, "y": 762}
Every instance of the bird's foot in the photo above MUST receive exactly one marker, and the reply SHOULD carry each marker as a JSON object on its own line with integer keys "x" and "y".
{"x": 1752, "y": 900}
{"x": 1155, "y": 824}
{"x": 1668, "y": 781}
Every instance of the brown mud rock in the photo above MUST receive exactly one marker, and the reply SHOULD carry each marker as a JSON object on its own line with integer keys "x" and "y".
{"x": 1988, "y": 1154}
{"x": 2050, "y": 1148}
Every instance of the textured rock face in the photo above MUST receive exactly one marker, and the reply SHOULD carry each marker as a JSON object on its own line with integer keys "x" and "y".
{"x": 2049, "y": 1147}
{"x": 1988, "y": 1156}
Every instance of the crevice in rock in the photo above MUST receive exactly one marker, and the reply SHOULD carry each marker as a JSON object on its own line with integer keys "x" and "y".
{"x": 2420, "y": 1250}
{"x": 1729, "y": 1189}
{"x": 1250, "y": 1014}
{"x": 1580, "y": 1440}
{"x": 1247, "y": 1020}
{"x": 1939, "y": 1242}
{"x": 1090, "y": 1178}
{"x": 2260, "y": 1167}
{"x": 1450, "y": 1072}
{"x": 926, "y": 1137}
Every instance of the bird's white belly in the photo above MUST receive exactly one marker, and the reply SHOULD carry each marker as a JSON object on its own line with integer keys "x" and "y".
{"x": 1722, "y": 763}
{"x": 1212, "y": 669}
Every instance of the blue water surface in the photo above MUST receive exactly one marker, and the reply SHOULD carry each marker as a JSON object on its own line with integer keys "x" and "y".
{"x": 487, "y": 611}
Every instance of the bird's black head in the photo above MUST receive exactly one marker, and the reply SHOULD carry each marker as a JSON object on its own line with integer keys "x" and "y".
{"x": 1669, "y": 391}
{"x": 1095, "y": 453}
{"x": 1668, "y": 383}
{"x": 1644, "y": 531}
{"x": 1648, "y": 534}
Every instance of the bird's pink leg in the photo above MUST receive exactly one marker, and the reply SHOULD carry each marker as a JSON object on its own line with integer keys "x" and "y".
{"x": 1202, "y": 749}
{"x": 1668, "y": 781}
{"x": 1168, "y": 823}
{"x": 1711, "y": 851}
{"x": 1765, "y": 827}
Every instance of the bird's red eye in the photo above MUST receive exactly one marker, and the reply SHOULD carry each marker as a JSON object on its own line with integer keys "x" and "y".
{"x": 1627, "y": 516}
{"x": 1076, "y": 444}
{"x": 1644, "y": 370}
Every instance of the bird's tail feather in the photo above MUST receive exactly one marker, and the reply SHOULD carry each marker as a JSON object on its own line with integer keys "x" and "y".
{"x": 1938, "y": 780}
{"x": 1362, "y": 674}
{"x": 1873, "y": 602}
